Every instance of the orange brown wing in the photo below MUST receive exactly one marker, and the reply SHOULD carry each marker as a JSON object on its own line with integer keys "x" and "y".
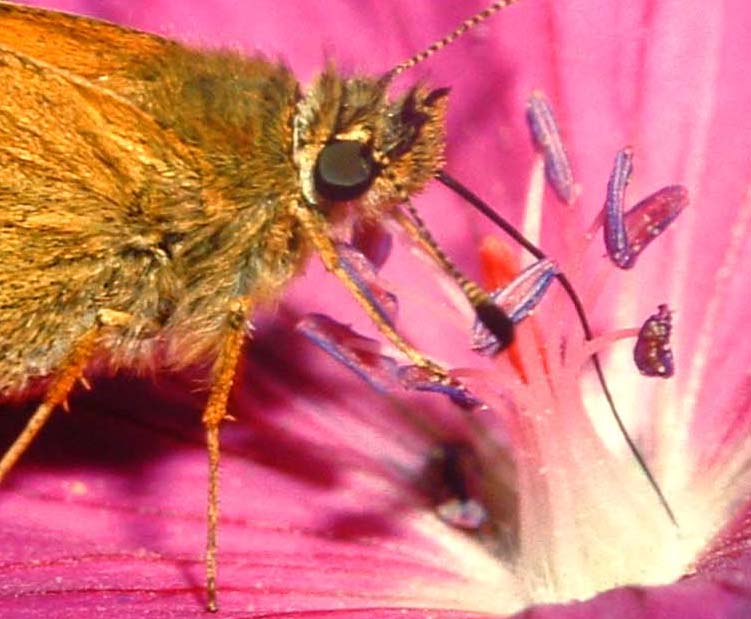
{"x": 86, "y": 180}
{"x": 104, "y": 53}
{"x": 112, "y": 141}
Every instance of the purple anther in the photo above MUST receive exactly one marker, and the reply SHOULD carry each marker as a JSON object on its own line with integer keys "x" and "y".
{"x": 517, "y": 300}
{"x": 416, "y": 378}
{"x": 361, "y": 355}
{"x": 616, "y": 240}
{"x": 358, "y": 353}
{"x": 363, "y": 273}
{"x": 652, "y": 353}
{"x": 627, "y": 234}
{"x": 547, "y": 139}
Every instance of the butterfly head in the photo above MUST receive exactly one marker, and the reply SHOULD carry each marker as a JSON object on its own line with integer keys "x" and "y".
{"x": 353, "y": 144}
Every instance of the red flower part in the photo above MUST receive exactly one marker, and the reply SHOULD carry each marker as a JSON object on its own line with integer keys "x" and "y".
{"x": 652, "y": 353}
{"x": 373, "y": 241}
{"x": 364, "y": 274}
{"x": 358, "y": 353}
{"x": 628, "y": 234}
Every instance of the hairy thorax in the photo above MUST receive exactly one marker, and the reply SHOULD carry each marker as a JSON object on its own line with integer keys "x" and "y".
{"x": 198, "y": 217}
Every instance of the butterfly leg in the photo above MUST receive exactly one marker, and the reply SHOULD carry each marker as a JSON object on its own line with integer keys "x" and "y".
{"x": 222, "y": 377}
{"x": 70, "y": 371}
{"x": 316, "y": 230}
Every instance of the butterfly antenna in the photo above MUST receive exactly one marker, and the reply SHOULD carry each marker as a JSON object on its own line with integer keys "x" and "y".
{"x": 467, "y": 25}
{"x": 486, "y": 210}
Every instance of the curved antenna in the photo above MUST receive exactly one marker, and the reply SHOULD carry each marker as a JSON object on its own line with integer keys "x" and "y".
{"x": 488, "y": 313}
{"x": 467, "y": 25}
{"x": 486, "y": 210}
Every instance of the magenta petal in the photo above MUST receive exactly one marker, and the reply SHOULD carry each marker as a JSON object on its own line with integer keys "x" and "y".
{"x": 108, "y": 510}
{"x": 690, "y": 599}
{"x": 106, "y": 515}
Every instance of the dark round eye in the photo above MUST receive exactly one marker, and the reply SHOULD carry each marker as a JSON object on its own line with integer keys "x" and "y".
{"x": 344, "y": 170}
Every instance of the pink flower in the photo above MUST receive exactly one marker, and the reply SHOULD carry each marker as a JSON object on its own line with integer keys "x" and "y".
{"x": 324, "y": 502}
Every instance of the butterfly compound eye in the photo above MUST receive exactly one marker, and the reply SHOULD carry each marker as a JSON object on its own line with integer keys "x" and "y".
{"x": 344, "y": 170}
